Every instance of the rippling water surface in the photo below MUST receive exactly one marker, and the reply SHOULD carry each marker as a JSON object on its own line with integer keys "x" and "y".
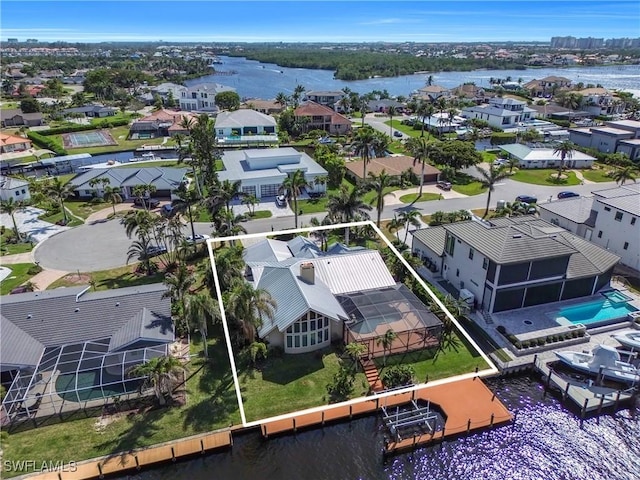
{"x": 546, "y": 442}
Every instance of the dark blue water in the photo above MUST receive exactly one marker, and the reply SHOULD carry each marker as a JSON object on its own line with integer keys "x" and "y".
{"x": 258, "y": 80}
{"x": 545, "y": 442}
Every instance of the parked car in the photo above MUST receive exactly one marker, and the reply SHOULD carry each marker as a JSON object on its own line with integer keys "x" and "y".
{"x": 166, "y": 210}
{"x": 150, "y": 202}
{"x": 397, "y": 133}
{"x": 153, "y": 251}
{"x": 443, "y": 185}
{"x": 568, "y": 194}
{"x": 499, "y": 162}
{"x": 526, "y": 199}
{"x": 281, "y": 201}
{"x": 197, "y": 239}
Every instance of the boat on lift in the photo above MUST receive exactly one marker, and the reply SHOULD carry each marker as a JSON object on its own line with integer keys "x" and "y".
{"x": 629, "y": 339}
{"x": 603, "y": 360}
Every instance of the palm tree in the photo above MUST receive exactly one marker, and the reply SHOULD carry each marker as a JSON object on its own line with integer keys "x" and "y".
{"x": 297, "y": 95}
{"x": 621, "y": 175}
{"x": 386, "y": 341}
{"x": 139, "y": 250}
{"x": 282, "y": 99}
{"x": 355, "y": 350}
{"x": 363, "y": 146}
{"x": 249, "y": 307}
{"x": 394, "y": 226}
{"x": 512, "y": 162}
{"x": 409, "y": 218}
{"x": 422, "y": 150}
{"x": 178, "y": 284}
{"x": 112, "y": 194}
{"x": 139, "y": 222}
{"x": 293, "y": 185}
{"x": 201, "y": 311}
{"x": 142, "y": 193}
{"x": 12, "y": 207}
{"x": 488, "y": 179}
{"x": 346, "y": 206}
{"x": 187, "y": 199}
{"x": 226, "y": 191}
{"x": 229, "y": 267}
{"x": 379, "y": 184}
{"x": 59, "y": 192}
{"x": 161, "y": 372}
{"x": 228, "y": 224}
{"x": 565, "y": 149}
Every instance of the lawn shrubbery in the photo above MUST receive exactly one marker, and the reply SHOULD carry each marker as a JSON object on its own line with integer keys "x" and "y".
{"x": 49, "y": 143}
{"x": 398, "y": 376}
{"x": 501, "y": 138}
{"x": 104, "y": 123}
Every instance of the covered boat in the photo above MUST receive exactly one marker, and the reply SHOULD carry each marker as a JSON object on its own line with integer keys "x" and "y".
{"x": 603, "y": 360}
{"x": 629, "y": 339}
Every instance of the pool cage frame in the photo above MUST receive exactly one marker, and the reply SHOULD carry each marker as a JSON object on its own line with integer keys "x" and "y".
{"x": 96, "y": 378}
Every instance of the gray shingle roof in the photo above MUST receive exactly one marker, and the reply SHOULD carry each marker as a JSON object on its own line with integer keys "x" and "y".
{"x": 18, "y": 347}
{"x": 144, "y": 325}
{"x": 576, "y": 209}
{"x": 432, "y": 237}
{"x": 244, "y": 118}
{"x": 162, "y": 178}
{"x": 54, "y": 317}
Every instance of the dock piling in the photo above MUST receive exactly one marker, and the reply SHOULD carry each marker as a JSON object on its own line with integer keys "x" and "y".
{"x": 173, "y": 455}
{"x": 100, "y": 471}
{"x": 468, "y": 426}
{"x": 294, "y": 425}
{"x": 617, "y": 400}
{"x": 492, "y": 417}
{"x": 584, "y": 407}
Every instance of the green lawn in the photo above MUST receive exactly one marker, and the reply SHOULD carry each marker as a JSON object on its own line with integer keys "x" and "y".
{"x": 108, "y": 279}
{"x": 425, "y": 197}
{"x": 83, "y": 209}
{"x": 488, "y": 157}
{"x": 471, "y": 188}
{"x": 542, "y": 176}
{"x": 597, "y": 175}
{"x": 445, "y": 364}
{"x": 19, "y": 275}
{"x": 369, "y": 197}
{"x": 211, "y": 404}
{"x": 57, "y": 217}
{"x": 260, "y": 214}
{"x": 313, "y": 205}
{"x": 290, "y": 383}
{"x": 13, "y": 248}
{"x": 408, "y": 130}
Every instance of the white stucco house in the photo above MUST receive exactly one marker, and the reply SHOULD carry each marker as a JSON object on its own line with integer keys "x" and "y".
{"x": 245, "y": 126}
{"x": 201, "y": 97}
{"x": 262, "y": 171}
{"x": 15, "y": 188}
{"x": 501, "y": 112}
{"x": 544, "y": 157}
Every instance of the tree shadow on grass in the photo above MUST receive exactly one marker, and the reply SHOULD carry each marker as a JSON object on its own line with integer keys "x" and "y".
{"x": 288, "y": 368}
{"x": 216, "y": 408}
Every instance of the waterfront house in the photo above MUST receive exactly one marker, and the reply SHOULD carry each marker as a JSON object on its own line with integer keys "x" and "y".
{"x": 609, "y": 218}
{"x": 72, "y": 348}
{"x": 165, "y": 180}
{"x": 268, "y": 107}
{"x": 509, "y": 263}
{"x": 161, "y": 123}
{"x": 431, "y": 93}
{"x": 342, "y": 294}
{"x": 201, "y": 97}
{"x": 245, "y": 126}
{"x": 15, "y": 188}
{"x": 14, "y": 117}
{"x": 469, "y": 91}
{"x": 394, "y": 166}
{"x": 547, "y": 86}
{"x": 600, "y": 101}
{"x": 322, "y": 97}
{"x": 501, "y": 112}
{"x": 262, "y": 171}
{"x": 13, "y": 143}
{"x": 318, "y": 117}
{"x": 529, "y": 157}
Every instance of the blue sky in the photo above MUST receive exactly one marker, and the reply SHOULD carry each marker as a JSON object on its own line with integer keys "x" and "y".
{"x": 298, "y": 21}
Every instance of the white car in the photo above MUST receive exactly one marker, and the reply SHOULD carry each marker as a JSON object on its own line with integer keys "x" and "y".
{"x": 197, "y": 239}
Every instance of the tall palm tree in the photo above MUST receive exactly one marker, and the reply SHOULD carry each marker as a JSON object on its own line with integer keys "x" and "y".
{"x": 229, "y": 267}
{"x": 226, "y": 191}
{"x": 139, "y": 251}
{"x": 178, "y": 283}
{"x": 391, "y": 111}
{"x": 379, "y": 184}
{"x": 409, "y": 218}
{"x": 422, "y": 151}
{"x": 565, "y": 149}
{"x": 621, "y": 175}
{"x": 249, "y": 307}
{"x": 394, "y": 226}
{"x": 139, "y": 222}
{"x": 201, "y": 310}
{"x": 162, "y": 374}
{"x": 355, "y": 350}
{"x": 488, "y": 179}
{"x": 187, "y": 199}
{"x": 346, "y": 206}
{"x": 113, "y": 195}
{"x": 293, "y": 185}
{"x": 59, "y": 192}
{"x": 386, "y": 341}
{"x": 282, "y": 99}
{"x": 12, "y": 207}
{"x": 363, "y": 146}
{"x": 297, "y": 95}
{"x": 441, "y": 105}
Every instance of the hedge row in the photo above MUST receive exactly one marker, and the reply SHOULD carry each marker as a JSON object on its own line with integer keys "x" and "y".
{"x": 502, "y": 138}
{"x": 48, "y": 143}
{"x": 105, "y": 123}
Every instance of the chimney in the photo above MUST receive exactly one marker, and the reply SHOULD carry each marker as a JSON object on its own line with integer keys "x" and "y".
{"x": 307, "y": 272}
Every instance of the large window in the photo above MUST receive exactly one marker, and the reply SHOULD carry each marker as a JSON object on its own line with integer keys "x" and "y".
{"x": 308, "y": 332}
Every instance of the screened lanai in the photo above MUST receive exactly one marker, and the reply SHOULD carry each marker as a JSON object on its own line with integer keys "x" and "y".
{"x": 74, "y": 377}
{"x": 372, "y": 313}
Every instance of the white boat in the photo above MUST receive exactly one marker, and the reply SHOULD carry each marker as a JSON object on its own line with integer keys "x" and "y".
{"x": 603, "y": 360}
{"x": 629, "y": 339}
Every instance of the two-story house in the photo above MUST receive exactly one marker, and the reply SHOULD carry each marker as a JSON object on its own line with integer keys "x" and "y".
{"x": 326, "y": 98}
{"x": 600, "y": 101}
{"x": 245, "y": 126}
{"x": 615, "y": 136}
{"x": 15, "y": 188}
{"x": 201, "y": 97}
{"x": 510, "y": 263}
{"x": 609, "y": 219}
{"x": 501, "y": 112}
{"x": 547, "y": 85}
{"x": 318, "y": 117}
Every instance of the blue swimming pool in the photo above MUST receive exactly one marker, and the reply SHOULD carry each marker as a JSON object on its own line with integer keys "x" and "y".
{"x": 596, "y": 312}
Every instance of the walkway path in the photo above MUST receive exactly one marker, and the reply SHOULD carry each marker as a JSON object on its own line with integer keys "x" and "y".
{"x": 393, "y": 198}
{"x": 46, "y": 277}
{"x": 580, "y": 177}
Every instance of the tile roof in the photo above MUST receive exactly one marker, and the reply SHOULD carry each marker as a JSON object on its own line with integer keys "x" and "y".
{"x": 244, "y": 118}
{"x": 589, "y": 259}
{"x": 432, "y": 237}
{"x": 6, "y": 139}
{"x": 625, "y": 198}
{"x": 311, "y": 109}
{"x": 576, "y": 209}
{"x": 393, "y": 166}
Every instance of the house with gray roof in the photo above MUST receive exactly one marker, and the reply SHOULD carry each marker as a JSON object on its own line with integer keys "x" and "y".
{"x": 166, "y": 180}
{"x": 262, "y": 171}
{"x": 65, "y": 348}
{"x": 609, "y": 218}
{"x": 93, "y": 110}
{"x": 342, "y": 294}
{"x": 529, "y": 157}
{"x": 14, "y": 117}
{"x": 510, "y": 263}
{"x": 245, "y": 126}
{"x": 16, "y": 188}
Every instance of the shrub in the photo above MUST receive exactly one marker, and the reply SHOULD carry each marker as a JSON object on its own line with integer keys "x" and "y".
{"x": 34, "y": 270}
{"x": 525, "y": 344}
{"x": 257, "y": 351}
{"x": 501, "y": 329}
{"x": 541, "y": 342}
{"x": 398, "y": 376}
{"x": 48, "y": 143}
{"x": 341, "y": 387}
{"x": 104, "y": 123}
{"x": 501, "y": 138}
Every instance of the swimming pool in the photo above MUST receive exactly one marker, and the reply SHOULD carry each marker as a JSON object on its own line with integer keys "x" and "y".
{"x": 596, "y": 312}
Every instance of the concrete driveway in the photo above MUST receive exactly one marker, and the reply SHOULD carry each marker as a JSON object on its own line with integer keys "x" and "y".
{"x": 29, "y": 224}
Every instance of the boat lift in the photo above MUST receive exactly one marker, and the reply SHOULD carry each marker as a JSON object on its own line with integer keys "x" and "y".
{"x": 417, "y": 417}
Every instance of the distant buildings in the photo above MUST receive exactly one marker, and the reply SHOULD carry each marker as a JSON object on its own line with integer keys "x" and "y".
{"x": 593, "y": 43}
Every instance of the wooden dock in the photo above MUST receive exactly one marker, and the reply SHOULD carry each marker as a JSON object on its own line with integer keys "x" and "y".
{"x": 586, "y": 395}
{"x": 467, "y": 405}
{"x": 144, "y": 457}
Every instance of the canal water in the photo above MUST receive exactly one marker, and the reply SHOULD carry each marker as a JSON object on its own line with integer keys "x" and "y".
{"x": 546, "y": 441}
{"x": 265, "y": 80}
